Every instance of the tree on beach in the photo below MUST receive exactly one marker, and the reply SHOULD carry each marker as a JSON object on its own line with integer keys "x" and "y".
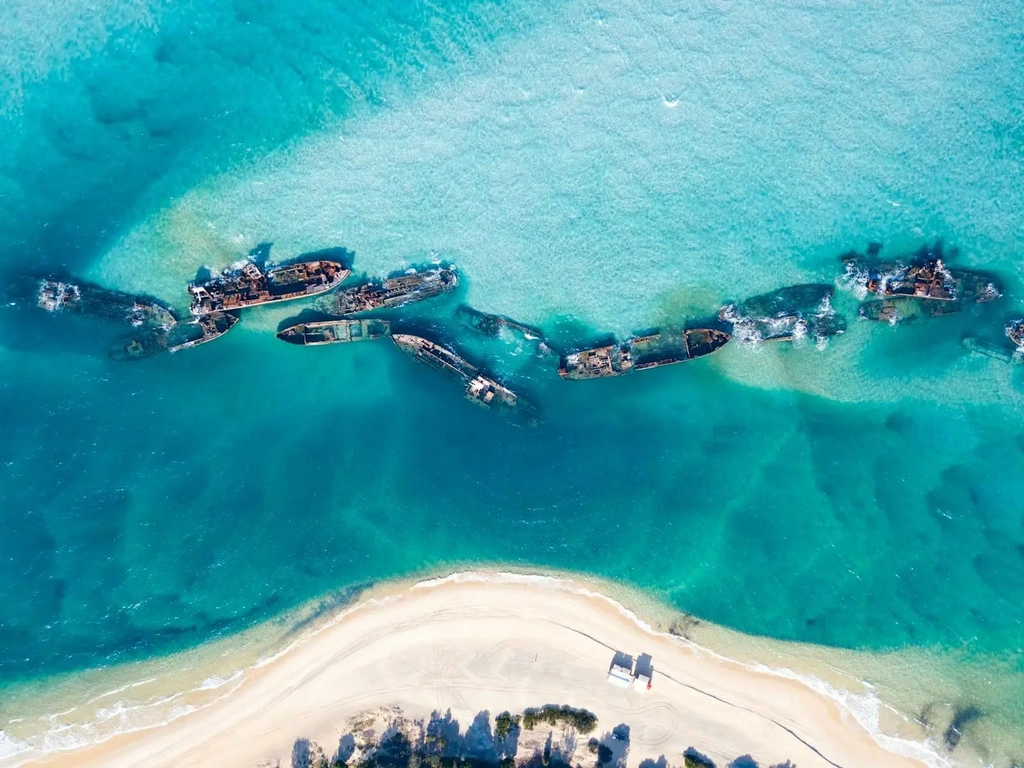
{"x": 694, "y": 759}
{"x": 504, "y": 723}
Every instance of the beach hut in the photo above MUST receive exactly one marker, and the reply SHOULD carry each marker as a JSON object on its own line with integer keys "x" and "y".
{"x": 644, "y": 672}
{"x": 621, "y": 670}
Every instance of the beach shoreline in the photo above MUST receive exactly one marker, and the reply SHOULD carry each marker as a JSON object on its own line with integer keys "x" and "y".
{"x": 464, "y": 642}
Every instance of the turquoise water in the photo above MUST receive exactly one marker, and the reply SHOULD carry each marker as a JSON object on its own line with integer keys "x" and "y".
{"x": 591, "y": 168}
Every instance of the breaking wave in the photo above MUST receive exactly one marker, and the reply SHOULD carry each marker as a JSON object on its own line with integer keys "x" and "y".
{"x": 120, "y": 717}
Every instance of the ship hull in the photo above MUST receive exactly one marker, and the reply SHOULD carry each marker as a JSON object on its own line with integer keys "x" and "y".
{"x": 335, "y": 332}
{"x": 141, "y": 346}
{"x": 995, "y": 351}
{"x": 480, "y": 389}
{"x": 642, "y": 353}
{"x": 59, "y": 296}
{"x": 493, "y": 325}
{"x": 390, "y": 294}
{"x": 906, "y": 309}
{"x": 788, "y": 314}
{"x": 249, "y": 287}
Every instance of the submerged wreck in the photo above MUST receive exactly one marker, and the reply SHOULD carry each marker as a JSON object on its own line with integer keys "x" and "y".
{"x": 493, "y": 325}
{"x": 94, "y": 300}
{"x": 1002, "y": 352}
{"x": 788, "y": 314}
{"x": 663, "y": 347}
{"x": 1008, "y": 353}
{"x": 390, "y": 293}
{"x": 335, "y": 332}
{"x": 181, "y": 336}
{"x": 905, "y": 310}
{"x": 480, "y": 388}
{"x": 925, "y": 288}
{"x": 250, "y": 286}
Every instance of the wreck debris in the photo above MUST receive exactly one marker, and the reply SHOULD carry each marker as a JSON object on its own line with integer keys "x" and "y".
{"x": 249, "y": 286}
{"x": 335, "y": 332}
{"x": 390, "y": 293}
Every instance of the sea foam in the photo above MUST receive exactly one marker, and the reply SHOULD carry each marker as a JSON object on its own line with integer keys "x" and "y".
{"x": 121, "y": 717}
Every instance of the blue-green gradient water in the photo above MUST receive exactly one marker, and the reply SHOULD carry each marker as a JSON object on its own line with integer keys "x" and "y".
{"x": 591, "y": 167}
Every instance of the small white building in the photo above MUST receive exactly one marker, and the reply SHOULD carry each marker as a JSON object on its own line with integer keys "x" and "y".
{"x": 621, "y": 671}
{"x": 644, "y": 672}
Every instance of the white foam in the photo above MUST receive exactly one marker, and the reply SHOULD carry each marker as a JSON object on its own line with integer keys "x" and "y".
{"x": 115, "y": 691}
{"x": 864, "y": 708}
{"x": 212, "y": 683}
{"x": 11, "y": 747}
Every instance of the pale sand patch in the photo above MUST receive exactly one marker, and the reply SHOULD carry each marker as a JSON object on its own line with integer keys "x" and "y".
{"x": 475, "y": 646}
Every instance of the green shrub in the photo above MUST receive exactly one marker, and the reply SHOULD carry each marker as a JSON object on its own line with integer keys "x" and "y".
{"x": 503, "y": 725}
{"x": 691, "y": 760}
{"x": 582, "y": 720}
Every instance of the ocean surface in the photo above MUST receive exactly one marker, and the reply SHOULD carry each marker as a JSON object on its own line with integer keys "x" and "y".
{"x": 591, "y": 168}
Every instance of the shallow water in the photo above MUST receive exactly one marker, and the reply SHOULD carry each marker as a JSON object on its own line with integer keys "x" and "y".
{"x": 591, "y": 168}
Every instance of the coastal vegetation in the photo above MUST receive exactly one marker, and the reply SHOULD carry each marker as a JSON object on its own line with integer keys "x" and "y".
{"x": 582, "y": 720}
{"x": 539, "y": 737}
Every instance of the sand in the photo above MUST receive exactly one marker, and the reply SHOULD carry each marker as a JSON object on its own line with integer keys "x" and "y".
{"x": 470, "y": 646}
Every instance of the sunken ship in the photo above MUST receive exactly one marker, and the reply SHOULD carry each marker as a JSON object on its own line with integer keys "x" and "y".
{"x": 492, "y": 326}
{"x": 663, "y": 347}
{"x": 480, "y": 389}
{"x": 154, "y": 341}
{"x": 788, "y": 314}
{"x": 250, "y": 286}
{"x": 335, "y": 332}
{"x": 390, "y": 293}
{"x": 87, "y": 299}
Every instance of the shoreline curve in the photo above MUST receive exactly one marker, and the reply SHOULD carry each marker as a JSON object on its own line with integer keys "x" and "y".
{"x": 463, "y": 642}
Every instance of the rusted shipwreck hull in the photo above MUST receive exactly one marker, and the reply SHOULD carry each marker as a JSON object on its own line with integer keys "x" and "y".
{"x": 665, "y": 347}
{"x": 391, "y": 293}
{"x": 909, "y": 292}
{"x": 480, "y": 389}
{"x": 250, "y": 286}
{"x": 335, "y": 332}
{"x": 155, "y": 341}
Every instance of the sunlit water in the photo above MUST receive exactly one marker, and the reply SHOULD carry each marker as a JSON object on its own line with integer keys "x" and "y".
{"x": 590, "y": 168}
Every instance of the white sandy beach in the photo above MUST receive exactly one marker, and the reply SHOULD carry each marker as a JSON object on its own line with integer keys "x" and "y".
{"x": 470, "y": 646}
